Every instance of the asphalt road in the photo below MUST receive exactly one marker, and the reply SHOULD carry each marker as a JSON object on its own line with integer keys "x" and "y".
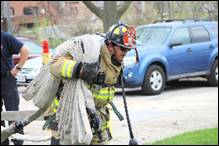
{"x": 186, "y": 106}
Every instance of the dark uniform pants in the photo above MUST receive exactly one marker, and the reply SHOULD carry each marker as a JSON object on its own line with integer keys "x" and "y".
{"x": 9, "y": 93}
{"x": 9, "y": 97}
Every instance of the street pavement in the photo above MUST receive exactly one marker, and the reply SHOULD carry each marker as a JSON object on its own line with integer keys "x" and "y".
{"x": 186, "y": 106}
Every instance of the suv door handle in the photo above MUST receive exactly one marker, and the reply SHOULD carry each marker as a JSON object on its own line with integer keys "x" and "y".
{"x": 189, "y": 50}
{"x": 211, "y": 46}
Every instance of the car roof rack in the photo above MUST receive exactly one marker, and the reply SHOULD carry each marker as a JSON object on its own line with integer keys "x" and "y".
{"x": 168, "y": 20}
{"x": 182, "y": 20}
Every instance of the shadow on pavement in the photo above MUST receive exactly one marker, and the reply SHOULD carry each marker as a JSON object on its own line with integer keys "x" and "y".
{"x": 173, "y": 86}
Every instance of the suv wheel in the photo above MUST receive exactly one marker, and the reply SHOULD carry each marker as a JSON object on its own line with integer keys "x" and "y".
{"x": 154, "y": 81}
{"x": 213, "y": 77}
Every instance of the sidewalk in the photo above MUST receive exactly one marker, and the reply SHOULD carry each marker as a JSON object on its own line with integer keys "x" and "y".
{"x": 175, "y": 111}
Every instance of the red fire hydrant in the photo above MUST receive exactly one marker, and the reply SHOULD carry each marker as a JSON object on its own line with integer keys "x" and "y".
{"x": 46, "y": 55}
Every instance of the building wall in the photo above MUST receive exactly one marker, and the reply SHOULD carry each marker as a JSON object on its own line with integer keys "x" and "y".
{"x": 76, "y": 9}
{"x": 19, "y": 5}
{"x": 69, "y": 13}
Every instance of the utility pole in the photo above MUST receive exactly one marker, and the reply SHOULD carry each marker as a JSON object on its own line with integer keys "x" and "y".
{"x": 5, "y": 8}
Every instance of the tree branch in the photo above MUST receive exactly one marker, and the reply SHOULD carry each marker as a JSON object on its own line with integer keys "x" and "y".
{"x": 97, "y": 11}
{"x": 123, "y": 8}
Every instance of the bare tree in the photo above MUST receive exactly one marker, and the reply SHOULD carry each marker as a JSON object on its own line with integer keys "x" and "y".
{"x": 160, "y": 6}
{"x": 216, "y": 10}
{"x": 111, "y": 12}
{"x": 211, "y": 7}
{"x": 143, "y": 12}
{"x": 169, "y": 9}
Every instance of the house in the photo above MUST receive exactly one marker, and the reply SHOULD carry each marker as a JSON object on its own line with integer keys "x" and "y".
{"x": 29, "y": 13}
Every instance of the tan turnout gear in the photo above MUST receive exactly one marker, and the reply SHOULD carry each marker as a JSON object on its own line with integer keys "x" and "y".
{"x": 62, "y": 67}
{"x": 89, "y": 73}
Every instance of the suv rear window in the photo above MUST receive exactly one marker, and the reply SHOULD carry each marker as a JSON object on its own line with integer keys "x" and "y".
{"x": 181, "y": 35}
{"x": 199, "y": 34}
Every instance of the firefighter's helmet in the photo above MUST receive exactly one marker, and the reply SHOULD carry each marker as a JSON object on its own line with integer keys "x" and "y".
{"x": 122, "y": 35}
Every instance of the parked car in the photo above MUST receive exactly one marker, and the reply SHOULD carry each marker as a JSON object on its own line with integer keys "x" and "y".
{"x": 169, "y": 51}
{"x": 35, "y": 49}
{"x": 29, "y": 71}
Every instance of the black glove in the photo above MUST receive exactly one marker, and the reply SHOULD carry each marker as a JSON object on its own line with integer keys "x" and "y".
{"x": 18, "y": 126}
{"x": 87, "y": 71}
{"x": 96, "y": 123}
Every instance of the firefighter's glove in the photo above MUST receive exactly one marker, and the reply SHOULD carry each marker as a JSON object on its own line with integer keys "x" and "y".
{"x": 95, "y": 121}
{"x": 18, "y": 126}
{"x": 87, "y": 71}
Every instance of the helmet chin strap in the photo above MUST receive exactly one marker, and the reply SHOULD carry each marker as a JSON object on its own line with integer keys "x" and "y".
{"x": 115, "y": 61}
{"x": 136, "y": 55}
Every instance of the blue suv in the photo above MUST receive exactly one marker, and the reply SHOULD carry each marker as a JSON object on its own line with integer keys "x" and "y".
{"x": 172, "y": 50}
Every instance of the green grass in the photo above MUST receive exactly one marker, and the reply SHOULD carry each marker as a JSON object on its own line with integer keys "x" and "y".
{"x": 199, "y": 137}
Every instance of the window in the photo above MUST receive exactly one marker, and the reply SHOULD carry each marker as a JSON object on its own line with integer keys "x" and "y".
{"x": 199, "y": 34}
{"x": 31, "y": 11}
{"x": 12, "y": 12}
{"x": 153, "y": 36}
{"x": 74, "y": 10}
{"x": 181, "y": 35}
{"x": 34, "y": 48}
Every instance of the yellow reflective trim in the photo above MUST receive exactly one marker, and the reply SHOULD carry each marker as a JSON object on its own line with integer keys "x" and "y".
{"x": 103, "y": 93}
{"x": 63, "y": 68}
{"x": 104, "y": 96}
{"x": 67, "y": 68}
{"x": 56, "y": 101}
{"x": 116, "y": 31}
{"x": 70, "y": 68}
{"x": 104, "y": 125}
{"x": 106, "y": 92}
{"x": 54, "y": 107}
{"x": 55, "y": 104}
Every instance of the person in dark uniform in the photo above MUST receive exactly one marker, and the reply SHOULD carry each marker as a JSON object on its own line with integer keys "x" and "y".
{"x": 9, "y": 92}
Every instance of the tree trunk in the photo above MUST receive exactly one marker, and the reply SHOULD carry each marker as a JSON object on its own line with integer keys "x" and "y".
{"x": 169, "y": 10}
{"x": 110, "y": 14}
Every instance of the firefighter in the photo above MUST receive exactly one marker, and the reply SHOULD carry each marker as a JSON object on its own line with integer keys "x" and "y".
{"x": 102, "y": 76}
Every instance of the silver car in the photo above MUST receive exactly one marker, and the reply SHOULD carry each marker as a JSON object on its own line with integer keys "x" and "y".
{"x": 29, "y": 71}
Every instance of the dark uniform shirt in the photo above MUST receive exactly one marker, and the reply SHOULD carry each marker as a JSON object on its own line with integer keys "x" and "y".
{"x": 9, "y": 46}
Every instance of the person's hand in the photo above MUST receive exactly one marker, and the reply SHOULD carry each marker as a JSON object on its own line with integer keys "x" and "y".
{"x": 14, "y": 71}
